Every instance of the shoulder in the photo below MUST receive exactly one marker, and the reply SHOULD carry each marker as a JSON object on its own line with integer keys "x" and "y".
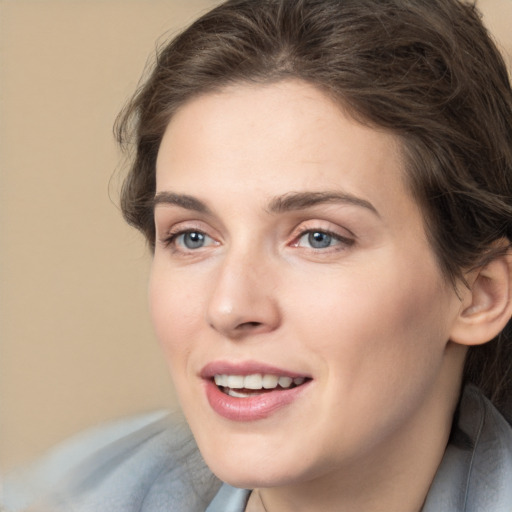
{"x": 490, "y": 471}
{"x": 475, "y": 474}
{"x": 148, "y": 463}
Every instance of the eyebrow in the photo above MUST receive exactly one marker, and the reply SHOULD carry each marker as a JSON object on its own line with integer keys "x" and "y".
{"x": 291, "y": 201}
{"x": 302, "y": 200}
{"x": 182, "y": 200}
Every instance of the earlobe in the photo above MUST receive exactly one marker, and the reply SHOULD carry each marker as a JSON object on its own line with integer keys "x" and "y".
{"x": 487, "y": 303}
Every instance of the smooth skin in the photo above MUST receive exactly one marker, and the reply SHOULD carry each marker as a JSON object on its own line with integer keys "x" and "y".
{"x": 287, "y": 235}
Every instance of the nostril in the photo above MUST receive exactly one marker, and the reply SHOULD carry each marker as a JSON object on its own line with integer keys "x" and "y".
{"x": 249, "y": 325}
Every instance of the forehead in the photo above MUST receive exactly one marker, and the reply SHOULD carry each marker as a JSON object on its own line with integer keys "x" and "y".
{"x": 276, "y": 138}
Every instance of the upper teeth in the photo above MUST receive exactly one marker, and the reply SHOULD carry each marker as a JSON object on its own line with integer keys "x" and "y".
{"x": 256, "y": 381}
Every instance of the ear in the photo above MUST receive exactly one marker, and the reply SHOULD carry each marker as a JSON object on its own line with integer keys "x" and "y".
{"x": 486, "y": 304}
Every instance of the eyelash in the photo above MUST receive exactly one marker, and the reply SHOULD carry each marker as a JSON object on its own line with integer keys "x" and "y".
{"x": 342, "y": 242}
{"x": 170, "y": 240}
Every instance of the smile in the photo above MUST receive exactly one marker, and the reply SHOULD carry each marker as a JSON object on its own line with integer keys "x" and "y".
{"x": 240, "y": 386}
{"x": 251, "y": 391}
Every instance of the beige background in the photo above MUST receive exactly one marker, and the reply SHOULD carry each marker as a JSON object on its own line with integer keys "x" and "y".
{"x": 76, "y": 344}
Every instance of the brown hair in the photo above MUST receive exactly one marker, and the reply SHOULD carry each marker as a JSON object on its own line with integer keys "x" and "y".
{"x": 426, "y": 70}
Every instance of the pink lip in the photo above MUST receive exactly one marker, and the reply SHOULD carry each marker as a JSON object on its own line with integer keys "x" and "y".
{"x": 255, "y": 407}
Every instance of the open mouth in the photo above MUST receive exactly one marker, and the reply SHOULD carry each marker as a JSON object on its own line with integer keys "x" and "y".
{"x": 251, "y": 390}
{"x": 245, "y": 386}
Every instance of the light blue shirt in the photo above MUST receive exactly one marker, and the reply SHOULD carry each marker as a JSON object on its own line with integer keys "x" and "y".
{"x": 153, "y": 465}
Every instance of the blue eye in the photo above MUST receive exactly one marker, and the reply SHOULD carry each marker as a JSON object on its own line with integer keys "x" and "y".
{"x": 316, "y": 239}
{"x": 192, "y": 240}
{"x": 319, "y": 240}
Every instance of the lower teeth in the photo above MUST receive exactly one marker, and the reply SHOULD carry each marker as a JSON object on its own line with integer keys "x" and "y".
{"x": 238, "y": 394}
{"x": 246, "y": 393}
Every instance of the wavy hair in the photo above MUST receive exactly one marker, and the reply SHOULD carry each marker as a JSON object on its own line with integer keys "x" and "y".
{"x": 425, "y": 70}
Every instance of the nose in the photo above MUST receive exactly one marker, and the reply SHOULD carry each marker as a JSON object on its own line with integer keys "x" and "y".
{"x": 243, "y": 300}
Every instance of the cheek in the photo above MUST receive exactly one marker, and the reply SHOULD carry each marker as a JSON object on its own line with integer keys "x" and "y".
{"x": 174, "y": 311}
{"x": 383, "y": 324}
{"x": 380, "y": 341}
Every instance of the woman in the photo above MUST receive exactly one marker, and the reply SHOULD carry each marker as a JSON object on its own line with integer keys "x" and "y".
{"x": 326, "y": 186}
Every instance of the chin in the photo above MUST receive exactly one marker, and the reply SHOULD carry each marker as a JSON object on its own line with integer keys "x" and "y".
{"x": 247, "y": 471}
{"x": 252, "y": 478}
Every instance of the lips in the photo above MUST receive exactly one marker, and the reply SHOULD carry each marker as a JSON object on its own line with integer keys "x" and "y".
{"x": 250, "y": 391}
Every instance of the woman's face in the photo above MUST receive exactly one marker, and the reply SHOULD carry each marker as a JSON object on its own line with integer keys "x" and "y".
{"x": 292, "y": 267}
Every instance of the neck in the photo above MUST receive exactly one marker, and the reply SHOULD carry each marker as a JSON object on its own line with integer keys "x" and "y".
{"x": 374, "y": 485}
{"x": 394, "y": 476}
